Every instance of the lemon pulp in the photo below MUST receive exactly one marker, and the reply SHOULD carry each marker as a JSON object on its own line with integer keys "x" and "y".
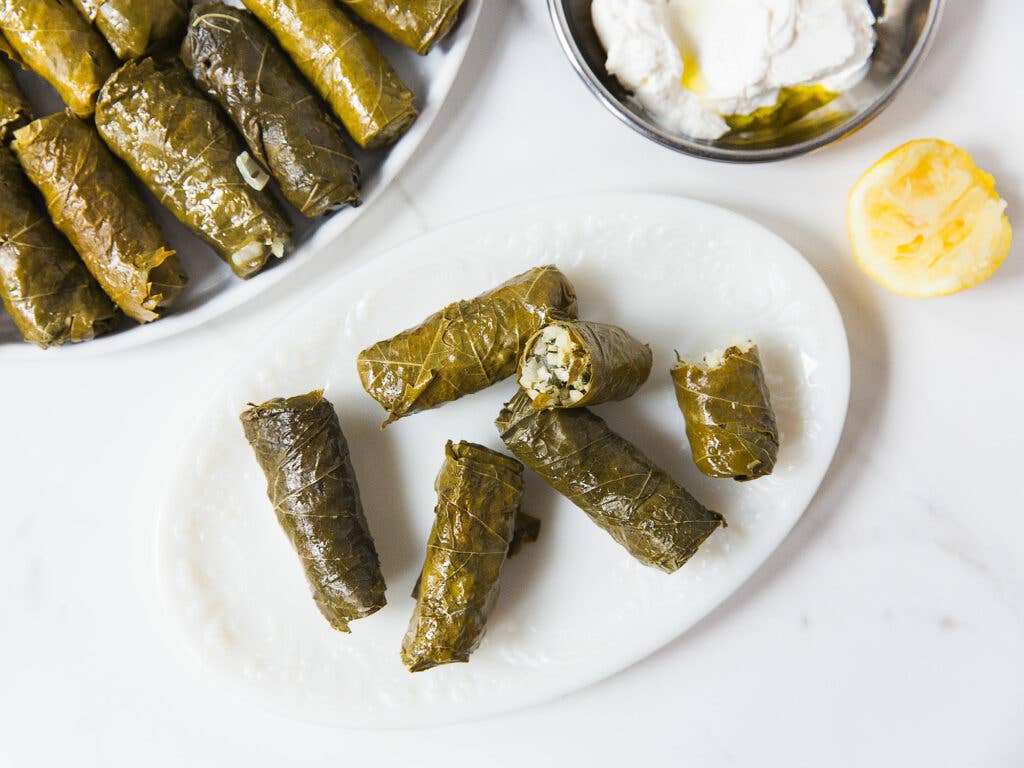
{"x": 926, "y": 221}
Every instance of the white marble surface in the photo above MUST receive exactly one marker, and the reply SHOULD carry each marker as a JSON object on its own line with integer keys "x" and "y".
{"x": 887, "y": 630}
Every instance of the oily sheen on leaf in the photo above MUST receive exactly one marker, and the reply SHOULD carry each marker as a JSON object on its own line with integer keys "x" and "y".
{"x": 478, "y": 496}
{"x": 312, "y": 486}
{"x": 729, "y": 418}
{"x": 45, "y": 287}
{"x": 238, "y": 64}
{"x": 621, "y": 490}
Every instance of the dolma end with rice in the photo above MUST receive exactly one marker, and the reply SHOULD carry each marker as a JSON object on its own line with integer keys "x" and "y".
{"x": 573, "y": 363}
{"x": 181, "y": 147}
{"x": 730, "y": 423}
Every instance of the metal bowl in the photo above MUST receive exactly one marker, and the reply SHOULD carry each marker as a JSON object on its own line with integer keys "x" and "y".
{"x": 905, "y": 29}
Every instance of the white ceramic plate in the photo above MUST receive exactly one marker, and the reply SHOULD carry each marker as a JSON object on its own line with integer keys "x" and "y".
{"x": 574, "y": 606}
{"x": 212, "y": 288}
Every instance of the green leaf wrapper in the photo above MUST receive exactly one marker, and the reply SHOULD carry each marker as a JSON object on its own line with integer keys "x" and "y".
{"x": 132, "y": 27}
{"x": 416, "y": 24}
{"x": 344, "y": 65}
{"x": 300, "y": 447}
{"x": 182, "y": 148}
{"x": 90, "y": 197}
{"x": 604, "y": 361}
{"x": 14, "y": 108}
{"x": 729, "y": 419}
{"x": 236, "y": 62}
{"x": 478, "y": 495}
{"x": 527, "y": 531}
{"x": 465, "y": 347}
{"x": 168, "y": 18}
{"x": 45, "y": 287}
{"x": 620, "y": 489}
{"x": 53, "y": 40}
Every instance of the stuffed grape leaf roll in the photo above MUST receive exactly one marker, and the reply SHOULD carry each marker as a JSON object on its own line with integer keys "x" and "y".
{"x": 132, "y": 27}
{"x": 572, "y": 363}
{"x": 53, "y": 40}
{"x": 14, "y": 108}
{"x": 416, "y": 24}
{"x": 183, "y": 149}
{"x": 237, "y": 63}
{"x": 465, "y": 347}
{"x": 90, "y": 197}
{"x": 478, "y": 496}
{"x": 301, "y": 449}
{"x": 45, "y": 287}
{"x": 729, "y": 418}
{"x": 609, "y": 478}
{"x": 344, "y": 65}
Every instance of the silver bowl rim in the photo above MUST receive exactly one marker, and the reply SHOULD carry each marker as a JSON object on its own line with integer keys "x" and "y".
{"x": 730, "y": 155}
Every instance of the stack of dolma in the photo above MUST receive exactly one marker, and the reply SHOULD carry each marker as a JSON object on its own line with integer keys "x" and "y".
{"x": 290, "y": 76}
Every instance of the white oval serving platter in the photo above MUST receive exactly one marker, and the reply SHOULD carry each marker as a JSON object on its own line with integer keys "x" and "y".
{"x": 213, "y": 289}
{"x": 574, "y": 607}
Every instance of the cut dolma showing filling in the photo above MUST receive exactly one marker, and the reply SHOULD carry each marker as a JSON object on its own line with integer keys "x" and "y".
{"x": 609, "y": 478}
{"x": 344, "y": 65}
{"x": 236, "y": 62}
{"x": 132, "y": 27}
{"x": 90, "y": 197}
{"x": 181, "y": 146}
{"x": 14, "y": 108}
{"x": 569, "y": 364}
{"x": 416, "y": 24}
{"x": 301, "y": 449}
{"x": 45, "y": 287}
{"x": 478, "y": 496}
{"x": 53, "y": 40}
{"x": 465, "y": 347}
{"x": 729, "y": 419}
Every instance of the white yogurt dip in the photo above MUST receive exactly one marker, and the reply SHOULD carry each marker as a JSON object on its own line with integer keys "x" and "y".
{"x": 692, "y": 63}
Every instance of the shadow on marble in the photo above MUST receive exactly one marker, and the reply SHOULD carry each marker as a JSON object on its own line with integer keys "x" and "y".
{"x": 8, "y": 331}
{"x": 374, "y": 455}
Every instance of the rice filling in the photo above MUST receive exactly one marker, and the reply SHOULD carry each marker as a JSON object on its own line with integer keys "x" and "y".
{"x": 556, "y": 367}
{"x": 718, "y": 357}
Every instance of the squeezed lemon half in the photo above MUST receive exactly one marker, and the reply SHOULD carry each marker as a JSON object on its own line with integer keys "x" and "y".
{"x": 925, "y": 221}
